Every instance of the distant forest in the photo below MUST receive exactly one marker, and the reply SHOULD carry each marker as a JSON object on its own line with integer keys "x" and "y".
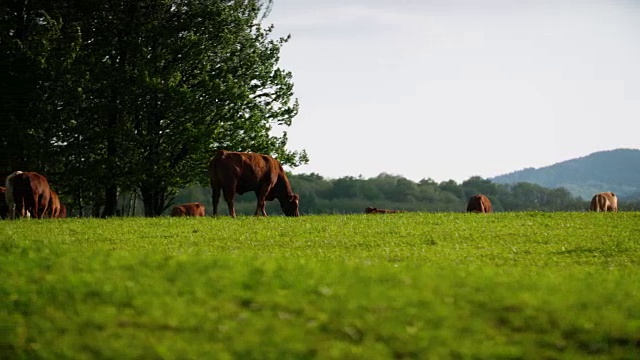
{"x": 614, "y": 170}
{"x": 352, "y": 195}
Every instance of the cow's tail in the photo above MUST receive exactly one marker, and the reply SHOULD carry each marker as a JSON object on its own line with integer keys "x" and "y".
{"x": 213, "y": 180}
{"x": 9, "y": 198}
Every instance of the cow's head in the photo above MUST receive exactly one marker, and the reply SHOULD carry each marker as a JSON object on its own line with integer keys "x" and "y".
{"x": 290, "y": 205}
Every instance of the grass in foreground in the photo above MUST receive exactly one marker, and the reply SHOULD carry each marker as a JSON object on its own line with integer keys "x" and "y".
{"x": 414, "y": 285}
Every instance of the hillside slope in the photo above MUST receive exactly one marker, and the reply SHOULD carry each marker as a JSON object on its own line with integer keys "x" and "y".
{"x": 614, "y": 170}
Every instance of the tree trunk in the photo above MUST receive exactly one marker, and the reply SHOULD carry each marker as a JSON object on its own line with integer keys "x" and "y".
{"x": 110, "y": 202}
{"x": 155, "y": 201}
{"x": 78, "y": 202}
{"x": 132, "y": 204}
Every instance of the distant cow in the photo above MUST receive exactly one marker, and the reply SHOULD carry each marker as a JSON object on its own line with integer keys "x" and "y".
{"x": 190, "y": 209}
{"x": 239, "y": 172}
{"x": 27, "y": 194}
{"x": 479, "y": 203}
{"x": 604, "y": 201}
{"x": 373, "y": 210}
{"x": 4, "y": 209}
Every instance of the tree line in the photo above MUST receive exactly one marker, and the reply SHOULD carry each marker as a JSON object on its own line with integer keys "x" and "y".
{"x": 114, "y": 97}
{"x": 353, "y": 194}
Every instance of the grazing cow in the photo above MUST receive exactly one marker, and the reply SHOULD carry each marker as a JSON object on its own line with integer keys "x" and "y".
{"x": 4, "y": 209}
{"x": 63, "y": 212}
{"x": 604, "y": 201}
{"x": 373, "y": 210}
{"x": 479, "y": 204}
{"x": 27, "y": 195}
{"x": 190, "y": 209}
{"x": 240, "y": 172}
{"x": 55, "y": 207}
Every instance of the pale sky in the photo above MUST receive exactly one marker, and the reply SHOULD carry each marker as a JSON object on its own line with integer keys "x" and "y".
{"x": 449, "y": 89}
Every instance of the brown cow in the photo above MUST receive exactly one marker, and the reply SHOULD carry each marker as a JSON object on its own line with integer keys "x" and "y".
{"x": 55, "y": 207}
{"x": 604, "y": 201}
{"x": 190, "y": 209}
{"x": 4, "y": 209}
{"x": 373, "y": 210}
{"x": 479, "y": 204}
{"x": 27, "y": 195}
{"x": 240, "y": 172}
{"x": 63, "y": 212}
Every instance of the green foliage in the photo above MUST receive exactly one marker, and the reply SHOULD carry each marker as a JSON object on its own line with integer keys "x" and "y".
{"x": 36, "y": 50}
{"x": 110, "y": 96}
{"x": 413, "y": 285}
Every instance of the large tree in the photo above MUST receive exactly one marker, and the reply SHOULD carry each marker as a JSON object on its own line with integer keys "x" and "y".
{"x": 212, "y": 82}
{"x": 143, "y": 92}
{"x": 34, "y": 52}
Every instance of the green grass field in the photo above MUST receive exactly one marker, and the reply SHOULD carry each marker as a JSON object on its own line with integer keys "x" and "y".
{"x": 411, "y": 285}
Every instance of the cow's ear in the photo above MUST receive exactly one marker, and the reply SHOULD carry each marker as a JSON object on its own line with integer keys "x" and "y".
{"x": 294, "y": 197}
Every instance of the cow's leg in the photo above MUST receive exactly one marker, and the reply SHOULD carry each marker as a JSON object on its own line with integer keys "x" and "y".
{"x": 229, "y": 192}
{"x": 11, "y": 205}
{"x": 35, "y": 207}
{"x": 45, "y": 208}
{"x": 261, "y": 196}
{"x": 260, "y": 206}
{"x": 215, "y": 199}
{"x": 260, "y": 202}
{"x": 12, "y": 211}
{"x": 23, "y": 208}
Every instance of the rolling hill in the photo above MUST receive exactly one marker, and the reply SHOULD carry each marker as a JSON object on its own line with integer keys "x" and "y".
{"x": 614, "y": 170}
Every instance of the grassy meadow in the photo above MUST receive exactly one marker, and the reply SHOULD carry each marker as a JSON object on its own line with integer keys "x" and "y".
{"x": 394, "y": 286}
